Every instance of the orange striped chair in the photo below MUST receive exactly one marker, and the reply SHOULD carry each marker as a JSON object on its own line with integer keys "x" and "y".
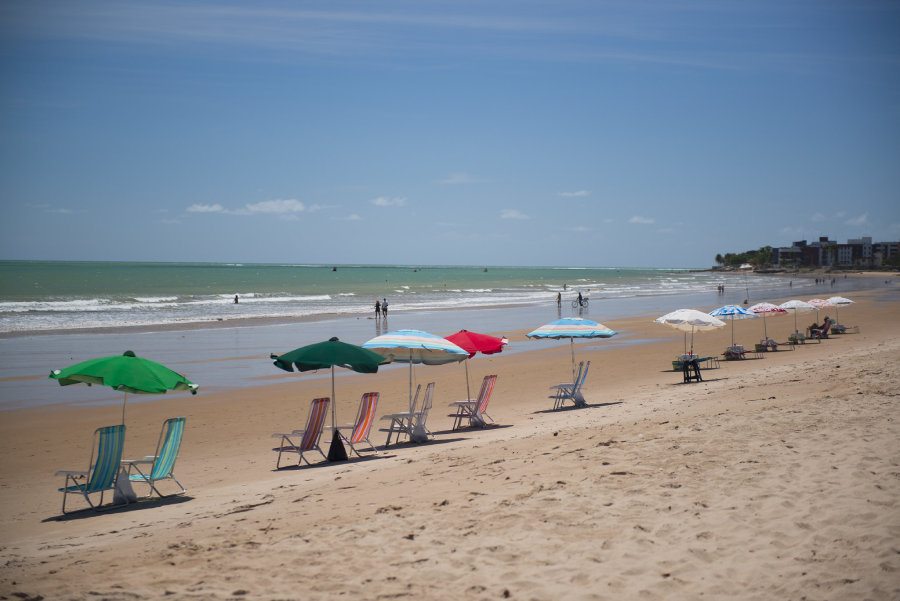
{"x": 365, "y": 417}
{"x": 474, "y": 411}
{"x": 309, "y": 436}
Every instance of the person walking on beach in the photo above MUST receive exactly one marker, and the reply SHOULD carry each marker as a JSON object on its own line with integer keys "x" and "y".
{"x": 377, "y": 308}
{"x": 559, "y": 300}
{"x": 384, "y": 306}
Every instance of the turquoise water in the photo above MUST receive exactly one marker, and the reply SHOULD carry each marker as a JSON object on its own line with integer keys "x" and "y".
{"x": 47, "y": 295}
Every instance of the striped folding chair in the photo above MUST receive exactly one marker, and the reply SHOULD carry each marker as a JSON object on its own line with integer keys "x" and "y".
{"x": 309, "y": 436}
{"x": 104, "y": 466}
{"x": 162, "y": 463}
{"x": 571, "y": 392}
{"x": 474, "y": 411}
{"x": 365, "y": 417}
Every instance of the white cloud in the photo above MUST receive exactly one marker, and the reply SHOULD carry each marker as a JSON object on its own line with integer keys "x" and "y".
{"x": 289, "y": 217}
{"x": 459, "y": 178}
{"x": 861, "y": 220}
{"x": 198, "y": 208}
{"x": 665, "y": 230}
{"x": 276, "y": 206}
{"x": 607, "y": 221}
{"x": 314, "y": 208}
{"x": 170, "y": 221}
{"x": 791, "y": 231}
{"x": 513, "y": 214}
{"x": 638, "y": 219}
{"x": 384, "y": 201}
{"x": 353, "y": 217}
{"x": 841, "y": 214}
{"x": 579, "y": 193}
{"x": 818, "y": 217}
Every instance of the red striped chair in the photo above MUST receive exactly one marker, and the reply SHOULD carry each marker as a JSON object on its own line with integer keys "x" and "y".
{"x": 365, "y": 417}
{"x": 309, "y": 436}
{"x": 474, "y": 411}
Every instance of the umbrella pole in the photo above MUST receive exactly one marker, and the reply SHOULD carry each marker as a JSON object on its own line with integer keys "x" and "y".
{"x": 692, "y": 338}
{"x": 468, "y": 394}
{"x": 123, "y": 408}
{"x": 732, "y": 332}
{"x": 765, "y": 330}
{"x": 572, "y": 345}
{"x": 410, "y": 390}
{"x": 333, "y": 400}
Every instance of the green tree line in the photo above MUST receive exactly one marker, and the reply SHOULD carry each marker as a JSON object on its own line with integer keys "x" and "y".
{"x": 764, "y": 256}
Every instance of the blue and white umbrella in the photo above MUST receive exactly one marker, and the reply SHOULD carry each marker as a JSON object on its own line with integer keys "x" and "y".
{"x": 571, "y": 328}
{"x": 732, "y": 313}
{"x": 415, "y": 346}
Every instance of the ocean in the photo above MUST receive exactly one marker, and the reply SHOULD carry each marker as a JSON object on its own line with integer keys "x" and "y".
{"x": 59, "y": 296}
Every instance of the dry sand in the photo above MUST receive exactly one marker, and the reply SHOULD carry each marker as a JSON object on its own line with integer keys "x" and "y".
{"x": 774, "y": 479}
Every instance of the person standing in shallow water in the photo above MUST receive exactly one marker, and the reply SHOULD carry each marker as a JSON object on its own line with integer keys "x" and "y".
{"x": 384, "y": 306}
{"x": 559, "y": 300}
{"x": 377, "y": 308}
{"x": 235, "y": 299}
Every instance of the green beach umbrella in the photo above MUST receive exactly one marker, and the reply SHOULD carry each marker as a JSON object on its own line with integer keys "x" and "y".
{"x": 323, "y": 355}
{"x": 127, "y": 373}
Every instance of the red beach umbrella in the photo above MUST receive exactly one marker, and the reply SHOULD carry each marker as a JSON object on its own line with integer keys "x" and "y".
{"x": 472, "y": 343}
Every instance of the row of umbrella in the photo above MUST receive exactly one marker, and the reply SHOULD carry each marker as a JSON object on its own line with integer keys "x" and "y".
{"x": 131, "y": 374}
{"x": 690, "y": 320}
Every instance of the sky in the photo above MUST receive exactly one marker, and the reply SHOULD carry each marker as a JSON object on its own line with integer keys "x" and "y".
{"x": 581, "y": 133}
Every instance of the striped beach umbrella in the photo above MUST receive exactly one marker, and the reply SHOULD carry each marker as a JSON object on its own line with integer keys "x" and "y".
{"x": 837, "y": 301}
{"x": 415, "y": 346}
{"x": 690, "y": 320}
{"x": 765, "y": 309}
{"x": 572, "y": 328}
{"x": 733, "y": 313}
{"x": 820, "y": 303}
{"x": 797, "y": 306}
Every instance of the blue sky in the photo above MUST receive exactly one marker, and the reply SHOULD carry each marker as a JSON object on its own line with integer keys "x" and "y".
{"x": 491, "y": 132}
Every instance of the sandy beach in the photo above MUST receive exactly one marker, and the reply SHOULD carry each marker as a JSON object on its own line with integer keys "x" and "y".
{"x": 775, "y": 478}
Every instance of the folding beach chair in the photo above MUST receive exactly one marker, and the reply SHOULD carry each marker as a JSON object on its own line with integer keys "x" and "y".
{"x": 474, "y": 410}
{"x": 365, "y": 416}
{"x": 571, "y": 392}
{"x": 839, "y": 329}
{"x": 163, "y": 462}
{"x": 102, "y": 471}
{"x": 401, "y": 422}
{"x": 420, "y": 432}
{"x": 315, "y": 421}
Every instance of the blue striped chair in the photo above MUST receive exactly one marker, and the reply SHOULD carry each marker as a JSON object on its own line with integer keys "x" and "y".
{"x": 163, "y": 463}
{"x": 104, "y": 466}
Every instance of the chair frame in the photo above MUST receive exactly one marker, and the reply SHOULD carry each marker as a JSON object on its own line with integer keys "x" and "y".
{"x": 107, "y": 481}
{"x": 473, "y": 410}
{"x": 306, "y": 444}
{"x": 175, "y": 427}
{"x": 365, "y": 417}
